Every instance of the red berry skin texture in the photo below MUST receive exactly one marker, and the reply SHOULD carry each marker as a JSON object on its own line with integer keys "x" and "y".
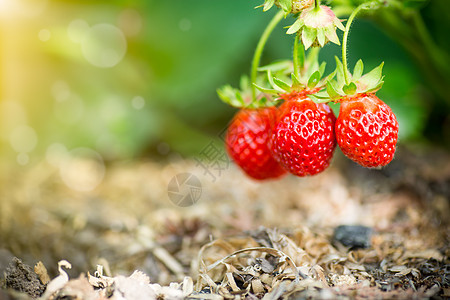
{"x": 367, "y": 130}
{"x": 303, "y": 139}
{"x": 247, "y": 143}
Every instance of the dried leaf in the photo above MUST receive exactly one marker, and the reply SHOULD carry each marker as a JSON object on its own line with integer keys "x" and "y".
{"x": 41, "y": 271}
{"x": 427, "y": 254}
{"x": 257, "y": 286}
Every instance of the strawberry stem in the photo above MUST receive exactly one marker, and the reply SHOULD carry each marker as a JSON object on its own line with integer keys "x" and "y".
{"x": 316, "y": 3}
{"x": 298, "y": 56}
{"x": 344, "y": 41}
{"x": 260, "y": 47}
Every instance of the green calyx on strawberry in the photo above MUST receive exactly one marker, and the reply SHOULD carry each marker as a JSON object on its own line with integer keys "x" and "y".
{"x": 317, "y": 26}
{"x": 337, "y": 90}
{"x": 285, "y": 84}
{"x": 242, "y": 98}
{"x": 308, "y": 84}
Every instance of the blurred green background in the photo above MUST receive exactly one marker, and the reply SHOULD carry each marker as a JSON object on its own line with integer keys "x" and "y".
{"x": 138, "y": 79}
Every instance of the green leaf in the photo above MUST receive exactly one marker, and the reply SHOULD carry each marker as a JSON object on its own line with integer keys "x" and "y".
{"x": 277, "y": 66}
{"x": 308, "y": 36}
{"x": 320, "y": 97}
{"x": 321, "y": 37}
{"x": 272, "y": 82}
{"x": 301, "y": 56}
{"x": 295, "y": 81}
{"x": 358, "y": 70}
{"x": 285, "y": 86}
{"x": 372, "y": 79}
{"x": 377, "y": 87}
{"x": 244, "y": 83}
{"x": 332, "y": 91}
{"x": 322, "y": 68}
{"x": 239, "y": 97}
{"x": 265, "y": 90}
{"x": 330, "y": 33}
{"x": 339, "y": 71}
{"x": 225, "y": 93}
{"x": 222, "y": 95}
{"x": 330, "y": 76}
{"x": 296, "y": 26}
{"x": 314, "y": 80}
{"x": 414, "y": 4}
{"x": 268, "y": 4}
{"x": 312, "y": 58}
{"x": 230, "y": 96}
{"x": 338, "y": 24}
{"x": 285, "y": 5}
{"x": 349, "y": 89}
{"x": 262, "y": 101}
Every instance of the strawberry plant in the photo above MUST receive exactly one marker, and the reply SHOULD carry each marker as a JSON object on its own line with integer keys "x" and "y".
{"x": 293, "y": 127}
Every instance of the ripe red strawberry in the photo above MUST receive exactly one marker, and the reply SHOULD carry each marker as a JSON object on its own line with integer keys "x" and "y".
{"x": 247, "y": 142}
{"x": 303, "y": 139}
{"x": 367, "y": 130}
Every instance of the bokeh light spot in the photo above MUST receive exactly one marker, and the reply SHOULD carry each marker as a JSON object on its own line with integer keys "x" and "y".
{"x": 112, "y": 110}
{"x": 23, "y": 139}
{"x": 104, "y": 45}
{"x": 61, "y": 90}
{"x": 12, "y": 115}
{"x": 23, "y": 159}
{"x": 83, "y": 170}
{"x": 108, "y": 145}
{"x": 185, "y": 24}
{"x": 55, "y": 154}
{"x": 77, "y": 29}
{"x": 23, "y": 8}
{"x": 44, "y": 35}
{"x": 70, "y": 110}
{"x": 138, "y": 102}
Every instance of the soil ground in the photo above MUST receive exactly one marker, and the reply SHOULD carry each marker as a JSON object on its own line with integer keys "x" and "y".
{"x": 241, "y": 240}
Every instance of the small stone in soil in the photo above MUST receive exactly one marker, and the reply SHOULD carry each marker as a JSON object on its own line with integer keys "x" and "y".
{"x": 353, "y": 236}
{"x": 21, "y": 277}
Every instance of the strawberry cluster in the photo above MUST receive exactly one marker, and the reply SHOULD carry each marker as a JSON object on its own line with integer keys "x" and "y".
{"x": 268, "y": 140}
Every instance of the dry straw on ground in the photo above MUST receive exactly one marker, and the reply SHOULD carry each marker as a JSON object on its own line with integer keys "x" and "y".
{"x": 242, "y": 240}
